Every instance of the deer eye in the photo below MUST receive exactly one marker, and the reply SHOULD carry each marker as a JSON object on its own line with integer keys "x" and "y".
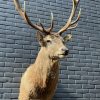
{"x": 49, "y": 41}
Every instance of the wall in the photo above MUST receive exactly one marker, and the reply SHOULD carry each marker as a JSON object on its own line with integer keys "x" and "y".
{"x": 79, "y": 72}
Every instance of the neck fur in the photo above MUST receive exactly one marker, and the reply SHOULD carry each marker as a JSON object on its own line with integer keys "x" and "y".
{"x": 43, "y": 65}
{"x": 43, "y": 59}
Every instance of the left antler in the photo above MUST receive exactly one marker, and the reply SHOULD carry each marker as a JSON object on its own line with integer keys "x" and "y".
{"x": 24, "y": 15}
{"x": 70, "y": 24}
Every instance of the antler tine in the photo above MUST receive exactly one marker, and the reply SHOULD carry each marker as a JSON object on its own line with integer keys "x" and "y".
{"x": 41, "y": 25}
{"x": 69, "y": 24}
{"x": 73, "y": 26}
{"x": 52, "y": 23}
{"x": 75, "y": 22}
{"x": 25, "y": 16}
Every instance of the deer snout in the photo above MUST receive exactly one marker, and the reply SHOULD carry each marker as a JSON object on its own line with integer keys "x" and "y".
{"x": 65, "y": 50}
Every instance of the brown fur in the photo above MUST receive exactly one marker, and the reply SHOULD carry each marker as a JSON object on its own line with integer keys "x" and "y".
{"x": 40, "y": 79}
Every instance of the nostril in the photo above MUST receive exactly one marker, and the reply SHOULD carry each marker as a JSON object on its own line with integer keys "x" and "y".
{"x": 66, "y": 52}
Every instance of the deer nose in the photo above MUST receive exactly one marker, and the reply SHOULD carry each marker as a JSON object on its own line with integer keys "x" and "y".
{"x": 66, "y": 51}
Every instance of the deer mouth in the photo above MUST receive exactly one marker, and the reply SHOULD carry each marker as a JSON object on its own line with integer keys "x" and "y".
{"x": 64, "y": 54}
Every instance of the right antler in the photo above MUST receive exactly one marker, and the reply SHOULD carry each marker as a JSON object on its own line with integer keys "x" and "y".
{"x": 27, "y": 20}
{"x": 70, "y": 24}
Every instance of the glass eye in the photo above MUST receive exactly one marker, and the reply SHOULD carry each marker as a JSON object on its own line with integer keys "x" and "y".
{"x": 48, "y": 41}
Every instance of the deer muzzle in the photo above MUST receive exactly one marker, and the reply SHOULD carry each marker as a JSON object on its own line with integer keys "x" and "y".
{"x": 65, "y": 51}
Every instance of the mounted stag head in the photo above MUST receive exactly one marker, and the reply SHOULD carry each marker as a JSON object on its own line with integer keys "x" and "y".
{"x": 40, "y": 79}
{"x": 46, "y": 37}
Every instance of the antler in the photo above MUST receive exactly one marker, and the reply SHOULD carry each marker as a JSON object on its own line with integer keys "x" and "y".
{"x": 70, "y": 24}
{"x": 52, "y": 23}
{"x": 24, "y": 15}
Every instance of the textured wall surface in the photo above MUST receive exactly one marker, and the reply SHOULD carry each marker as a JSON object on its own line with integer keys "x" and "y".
{"x": 79, "y": 72}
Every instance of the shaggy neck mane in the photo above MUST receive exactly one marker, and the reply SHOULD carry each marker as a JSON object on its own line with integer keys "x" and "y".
{"x": 44, "y": 65}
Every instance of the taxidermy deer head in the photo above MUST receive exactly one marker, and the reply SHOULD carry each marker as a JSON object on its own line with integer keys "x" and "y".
{"x": 53, "y": 42}
{"x": 40, "y": 79}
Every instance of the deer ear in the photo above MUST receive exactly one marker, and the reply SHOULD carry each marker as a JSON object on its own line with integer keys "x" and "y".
{"x": 67, "y": 37}
{"x": 40, "y": 38}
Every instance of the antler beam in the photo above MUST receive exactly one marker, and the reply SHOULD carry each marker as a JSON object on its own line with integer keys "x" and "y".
{"x": 70, "y": 24}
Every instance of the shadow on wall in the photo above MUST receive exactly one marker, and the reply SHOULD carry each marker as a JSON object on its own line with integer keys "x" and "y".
{"x": 63, "y": 93}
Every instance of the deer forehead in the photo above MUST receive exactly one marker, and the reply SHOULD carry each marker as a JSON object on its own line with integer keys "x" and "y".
{"x": 54, "y": 38}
